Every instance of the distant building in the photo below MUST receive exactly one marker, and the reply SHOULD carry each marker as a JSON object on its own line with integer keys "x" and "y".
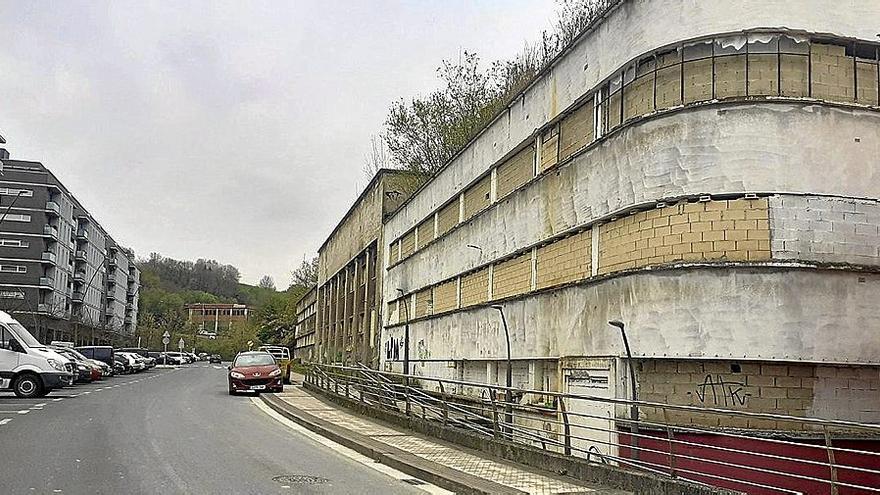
{"x": 61, "y": 274}
{"x": 304, "y": 347}
{"x": 350, "y": 275}
{"x": 213, "y": 318}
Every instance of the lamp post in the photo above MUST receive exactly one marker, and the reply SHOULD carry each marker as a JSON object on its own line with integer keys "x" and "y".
{"x": 6, "y": 212}
{"x": 406, "y": 351}
{"x": 634, "y": 408}
{"x": 508, "y": 396}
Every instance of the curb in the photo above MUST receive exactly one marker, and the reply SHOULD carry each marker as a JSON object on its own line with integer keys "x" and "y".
{"x": 398, "y": 459}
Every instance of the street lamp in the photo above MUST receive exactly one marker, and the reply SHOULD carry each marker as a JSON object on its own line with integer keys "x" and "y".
{"x": 634, "y": 408}
{"x": 508, "y": 409}
{"x": 6, "y": 212}
{"x": 406, "y": 351}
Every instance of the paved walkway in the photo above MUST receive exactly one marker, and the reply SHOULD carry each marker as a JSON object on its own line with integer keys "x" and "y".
{"x": 444, "y": 454}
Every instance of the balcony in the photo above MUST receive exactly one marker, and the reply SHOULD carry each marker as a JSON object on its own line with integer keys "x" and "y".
{"x": 111, "y": 261}
{"x": 111, "y": 295}
{"x": 47, "y": 283}
{"x": 82, "y": 235}
{"x": 53, "y": 208}
{"x": 128, "y": 320}
{"x": 50, "y": 231}
{"x": 80, "y": 256}
{"x": 111, "y": 279}
{"x": 108, "y": 311}
{"x": 43, "y": 308}
{"x": 49, "y": 257}
{"x": 78, "y": 296}
{"x": 79, "y": 276}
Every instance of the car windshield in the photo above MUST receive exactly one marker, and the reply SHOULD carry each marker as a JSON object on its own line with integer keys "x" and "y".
{"x": 254, "y": 360}
{"x": 23, "y": 335}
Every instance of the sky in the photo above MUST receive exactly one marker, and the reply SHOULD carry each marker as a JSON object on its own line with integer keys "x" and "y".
{"x": 234, "y": 131}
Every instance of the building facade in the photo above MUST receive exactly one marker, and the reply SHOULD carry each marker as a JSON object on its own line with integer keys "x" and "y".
{"x": 304, "y": 330}
{"x": 211, "y": 318}
{"x": 349, "y": 279}
{"x": 59, "y": 269}
{"x": 691, "y": 169}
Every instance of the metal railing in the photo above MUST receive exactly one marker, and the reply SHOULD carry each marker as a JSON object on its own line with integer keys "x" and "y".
{"x": 798, "y": 455}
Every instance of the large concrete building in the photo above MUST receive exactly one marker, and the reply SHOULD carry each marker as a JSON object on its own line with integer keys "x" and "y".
{"x": 304, "y": 329}
{"x": 708, "y": 173}
{"x": 348, "y": 303}
{"x": 61, "y": 274}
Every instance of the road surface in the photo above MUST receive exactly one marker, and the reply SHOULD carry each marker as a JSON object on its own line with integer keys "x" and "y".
{"x": 167, "y": 431}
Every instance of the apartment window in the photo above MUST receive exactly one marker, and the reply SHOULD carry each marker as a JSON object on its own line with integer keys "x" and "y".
{"x": 8, "y": 191}
{"x": 13, "y": 269}
{"x": 17, "y": 217}
{"x": 14, "y": 243}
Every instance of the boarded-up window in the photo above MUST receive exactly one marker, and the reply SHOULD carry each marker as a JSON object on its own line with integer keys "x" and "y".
{"x": 424, "y": 303}
{"x": 638, "y": 94}
{"x": 549, "y": 148}
{"x": 668, "y": 79}
{"x": 393, "y": 252}
{"x": 426, "y": 231}
{"x": 445, "y": 296}
{"x": 832, "y": 73}
{"x": 516, "y": 171}
{"x": 475, "y": 288}
{"x": 730, "y": 67}
{"x": 447, "y": 217}
{"x": 866, "y": 74}
{"x": 476, "y": 197}
{"x": 794, "y": 66}
{"x": 512, "y": 277}
{"x": 576, "y": 130}
{"x": 566, "y": 260}
{"x": 408, "y": 244}
{"x": 763, "y": 65}
{"x": 697, "y": 72}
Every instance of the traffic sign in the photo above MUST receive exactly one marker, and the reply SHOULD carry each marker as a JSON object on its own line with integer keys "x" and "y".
{"x": 180, "y": 344}
{"x": 166, "y": 340}
{"x": 166, "y": 335}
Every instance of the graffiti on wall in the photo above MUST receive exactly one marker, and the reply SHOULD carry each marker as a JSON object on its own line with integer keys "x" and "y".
{"x": 716, "y": 391}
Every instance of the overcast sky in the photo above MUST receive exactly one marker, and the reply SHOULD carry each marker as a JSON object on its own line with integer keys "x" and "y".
{"x": 228, "y": 130}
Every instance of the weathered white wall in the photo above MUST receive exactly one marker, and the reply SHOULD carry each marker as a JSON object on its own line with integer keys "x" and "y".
{"x": 750, "y": 147}
{"x": 634, "y": 28}
{"x": 741, "y": 313}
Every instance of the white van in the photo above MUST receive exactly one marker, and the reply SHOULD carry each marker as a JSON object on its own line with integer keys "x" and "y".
{"x": 28, "y": 367}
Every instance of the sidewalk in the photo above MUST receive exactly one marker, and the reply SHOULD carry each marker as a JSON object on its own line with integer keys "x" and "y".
{"x": 452, "y": 467}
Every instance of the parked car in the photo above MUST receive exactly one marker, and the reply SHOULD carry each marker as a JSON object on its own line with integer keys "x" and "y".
{"x": 180, "y": 357}
{"x": 86, "y": 372}
{"x": 136, "y": 362}
{"x": 143, "y": 353}
{"x": 123, "y": 364}
{"x": 99, "y": 352}
{"x": 254, "y": 371}
{"x": 28, "y": 367}
{"x": 215, "y": 358}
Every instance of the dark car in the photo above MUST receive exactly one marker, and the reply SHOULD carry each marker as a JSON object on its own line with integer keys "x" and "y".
{"x": 254, "y": 371}
{"x": 123, "y": 363}
{"x": 215, "y": 358}
{"x": 99, "y": 352}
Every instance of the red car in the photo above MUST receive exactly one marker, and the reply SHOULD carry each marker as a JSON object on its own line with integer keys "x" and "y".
{"x": 254, "y": 371}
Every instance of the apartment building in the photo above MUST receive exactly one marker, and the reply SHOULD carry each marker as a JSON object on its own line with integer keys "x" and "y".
{"x": 349, "y": 279}
{"x": 304, "y": 330}
{"x": 57, "y": 263}
{"x": 693, "y": 170}
{"x": 211, "y": 318}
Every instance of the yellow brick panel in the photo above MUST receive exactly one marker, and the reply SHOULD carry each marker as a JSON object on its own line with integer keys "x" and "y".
{"x": 730, "y": 76}
{"x": 393, "y": 251}
{"x": 638, "y": 97}
{"x": 736, "y": 230}
{"x": 576, "y": 130}
{"x": 832, "y": 73}
{"x": 516, "y": 171}
{"x": 698, "y": 80}
{"x": 475, "y": 288}
{"x": 512, "y": 277}
{"x": 566, "y": 260}
{"x": 447, "y": 218}
{"x": 763, "y": 74}
{"x": 426, "y": 231}
{"x": 445, "y": 296}
{"x": 867, "y": 77}
{"x": 669, "y": 87}
{"x": 408, "y": 244}
{"x": 549, "y": 149}
{"x": 424, "y": 303}
{"x": 613, "y": 110}
{"x": 794, "y": 75}
{"x": 476, "y": 197}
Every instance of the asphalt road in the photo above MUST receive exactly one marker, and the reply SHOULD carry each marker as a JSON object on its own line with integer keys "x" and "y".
{"x": 166, "y": 431}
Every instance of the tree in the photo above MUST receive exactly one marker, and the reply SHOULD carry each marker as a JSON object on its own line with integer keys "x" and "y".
{"x": 266, "y": 283}
{"x": 306, "y": 275}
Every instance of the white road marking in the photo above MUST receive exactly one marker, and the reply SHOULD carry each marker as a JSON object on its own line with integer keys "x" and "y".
{"x": 57, "y": 400}
{"x": 218, "y": 367}
{"x": 351, "y": 454}
{"x": 23, "y": 411}
{"x": 5, "y": 421}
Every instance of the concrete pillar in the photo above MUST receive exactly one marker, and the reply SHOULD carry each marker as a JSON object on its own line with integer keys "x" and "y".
{"x": 536, "y": 375}
{"x": 492, "y": 372}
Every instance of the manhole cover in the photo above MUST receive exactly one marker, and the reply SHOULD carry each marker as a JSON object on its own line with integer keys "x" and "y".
{"x": 300, "y": 479}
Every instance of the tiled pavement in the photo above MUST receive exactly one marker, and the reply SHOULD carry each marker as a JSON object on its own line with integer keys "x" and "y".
{"x": 434, "y": 451}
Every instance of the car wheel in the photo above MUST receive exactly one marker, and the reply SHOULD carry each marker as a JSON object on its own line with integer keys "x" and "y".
{"x": 28, "y": 385}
